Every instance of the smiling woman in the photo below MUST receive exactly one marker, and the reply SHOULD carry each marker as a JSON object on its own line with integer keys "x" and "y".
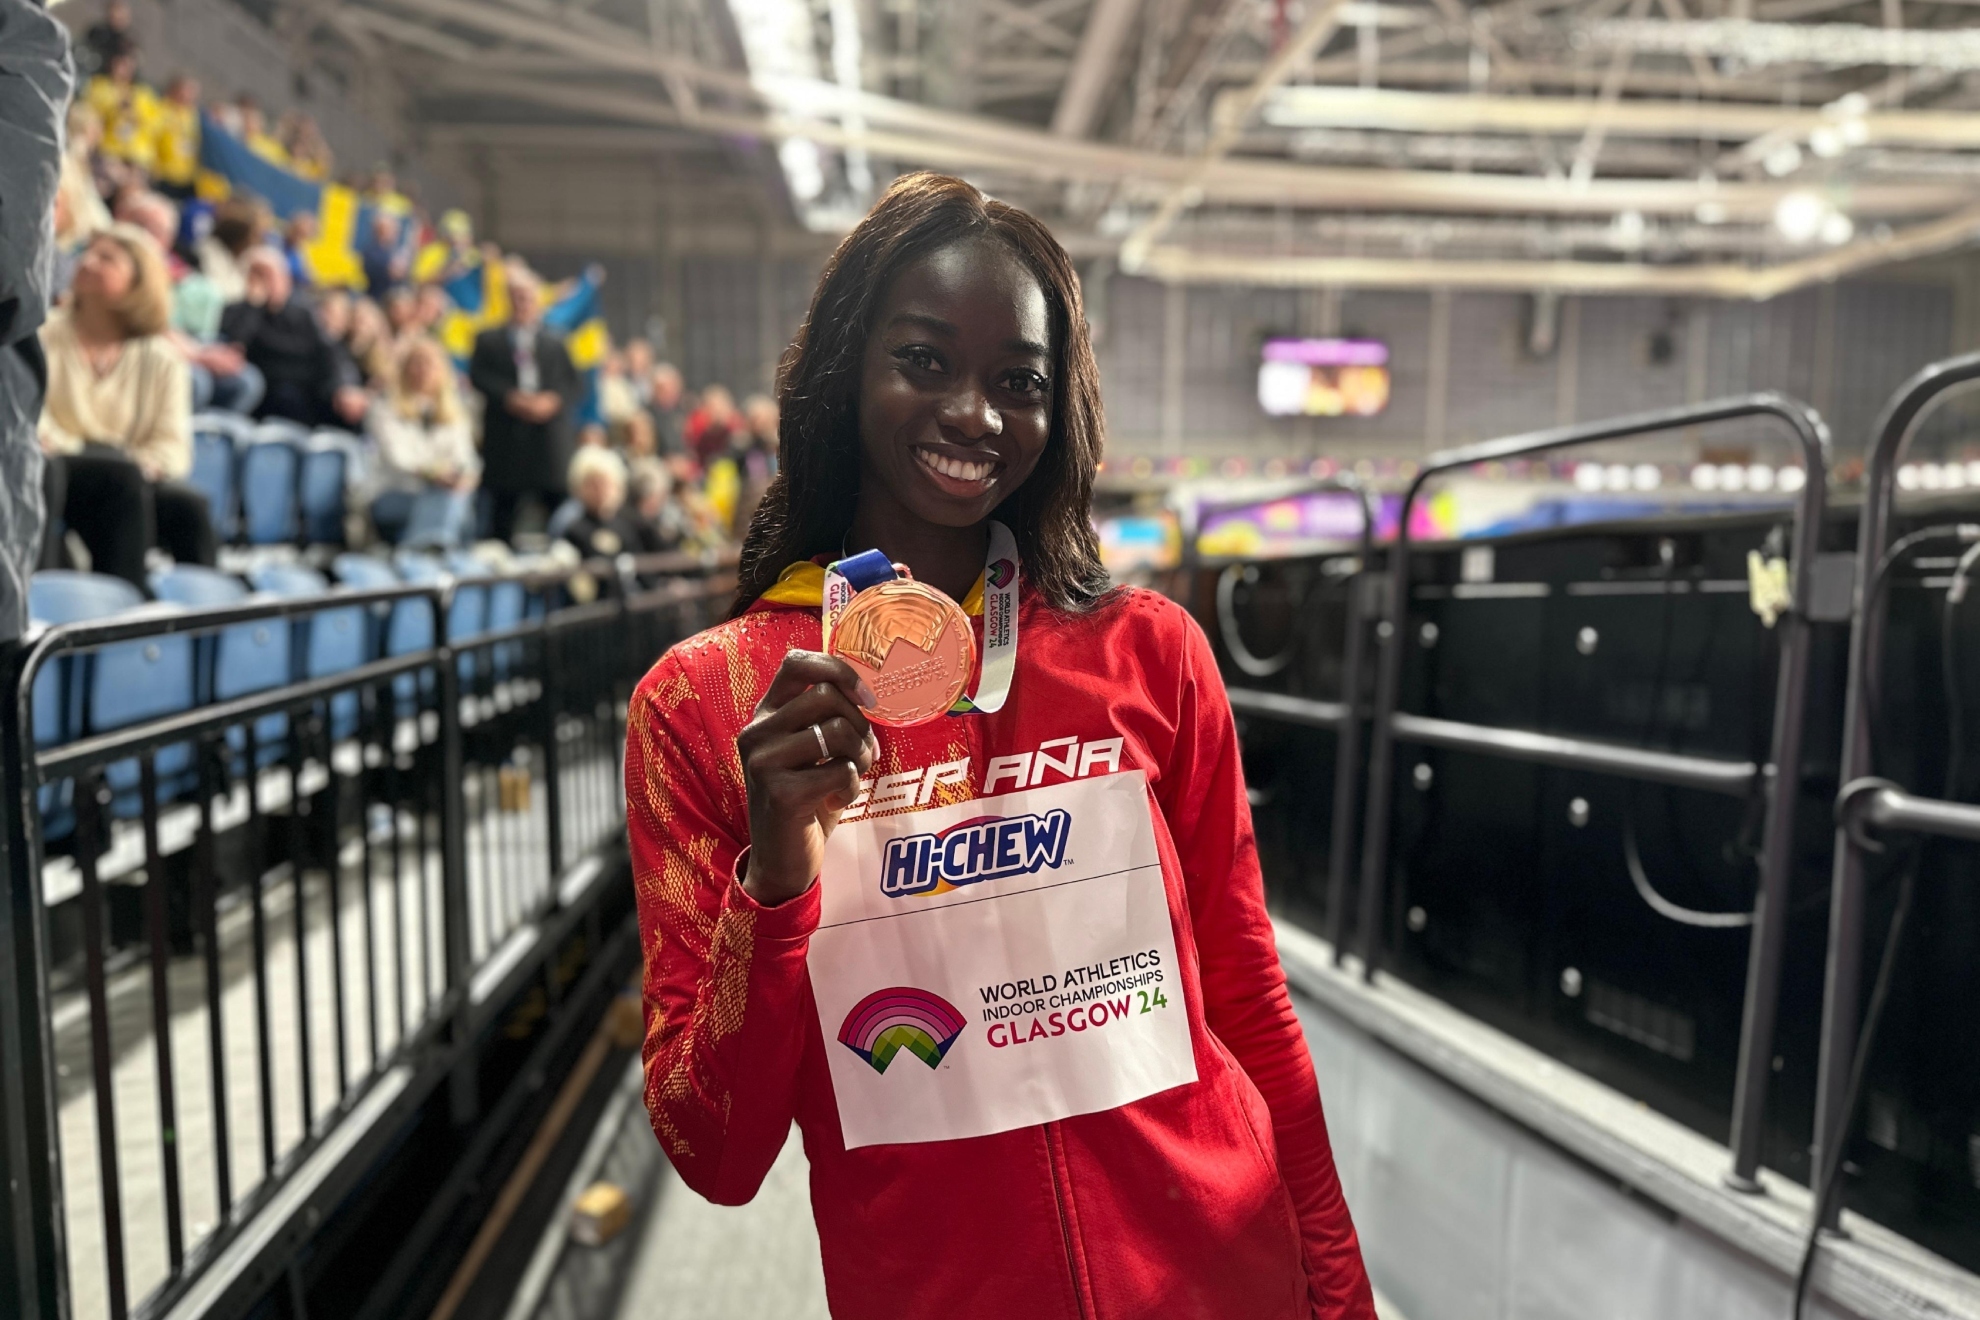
{"x": 944, "y": 370}
{"x": 839, "y": 915}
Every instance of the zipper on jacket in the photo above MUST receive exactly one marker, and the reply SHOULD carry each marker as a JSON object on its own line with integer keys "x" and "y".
{"x": 1065, "y": 1220}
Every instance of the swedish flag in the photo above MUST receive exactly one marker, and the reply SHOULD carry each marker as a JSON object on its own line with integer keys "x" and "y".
{"x": 227, "y": 165}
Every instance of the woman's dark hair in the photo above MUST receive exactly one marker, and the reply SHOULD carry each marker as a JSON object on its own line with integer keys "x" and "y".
{"x": 809, "y": 506}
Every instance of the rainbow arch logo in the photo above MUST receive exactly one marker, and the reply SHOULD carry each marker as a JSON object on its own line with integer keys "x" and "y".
{"x": 900, "y": 1018}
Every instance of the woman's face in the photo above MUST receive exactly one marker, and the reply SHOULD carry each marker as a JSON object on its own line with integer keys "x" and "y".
{"x": 421, "y": 375}
{"x": 105, "y": 274}
{"x": 955, "y": 402}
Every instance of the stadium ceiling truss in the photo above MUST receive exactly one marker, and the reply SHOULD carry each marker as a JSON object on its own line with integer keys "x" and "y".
{"x": 1737, "y": 148}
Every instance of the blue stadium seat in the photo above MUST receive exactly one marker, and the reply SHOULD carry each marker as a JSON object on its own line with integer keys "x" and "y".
{"x": 327, "y": 461}
{"x": 409, "y": 626}
{"x": 213, "y": 476}
{"x": 327, "y": 642}
{"x": 508, "y": 602}
{"x": 124, "y": 683}
{"x": 467, "y": 615}
{"x": 58, "y": 597}
{"x": 268, "y": 476}
{"x": 242, "y": 660}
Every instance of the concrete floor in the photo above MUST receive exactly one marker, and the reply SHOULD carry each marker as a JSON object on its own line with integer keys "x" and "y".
{"x": 707, "y": 1262}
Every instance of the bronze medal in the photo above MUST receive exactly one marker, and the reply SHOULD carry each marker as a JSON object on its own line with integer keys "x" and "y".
{"x": 912, "y": 645}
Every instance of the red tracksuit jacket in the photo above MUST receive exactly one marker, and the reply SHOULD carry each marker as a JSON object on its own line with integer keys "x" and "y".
{"x": 1217, "y": 1199}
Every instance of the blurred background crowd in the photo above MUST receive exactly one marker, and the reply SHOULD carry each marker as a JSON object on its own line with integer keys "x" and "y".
{"x": 476, "y": 401}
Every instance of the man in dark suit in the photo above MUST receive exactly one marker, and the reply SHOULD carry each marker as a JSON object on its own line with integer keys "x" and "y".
{"x": 526, "y": 377}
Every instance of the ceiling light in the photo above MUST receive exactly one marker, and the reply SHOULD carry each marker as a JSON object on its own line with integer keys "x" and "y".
{"x": 1588, "y": 476}
{"x": 1799, "y": 216}
{"x": 1627, "y": 230}
{"x": 1792, "y": 479}
{"x": 1837, "y": 229}
{"x": 1646, "y": 476}
{"x": 1827, "y": 142}
{"x": 1784, "y": 159}
{"x": 1711, "y": 213}
{"x": 1705, "y": 477}
{"x": 1854, "y": 132}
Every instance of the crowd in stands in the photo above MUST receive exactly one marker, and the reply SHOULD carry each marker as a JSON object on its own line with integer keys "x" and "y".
{"x": 177, "y": 303}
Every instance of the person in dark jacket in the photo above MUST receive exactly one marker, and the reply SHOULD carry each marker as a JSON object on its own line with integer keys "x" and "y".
{"x": 281, "y": 338}
{"x": 36, "y": 80}
{"x": 526, "y": 376}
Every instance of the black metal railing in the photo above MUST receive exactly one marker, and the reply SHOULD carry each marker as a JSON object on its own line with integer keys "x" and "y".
{"x": 1342, "y": 717}
{"x": 238, "y": 928}
{"x": 1389, "y": 726}
{"x": 1865, "y": 800}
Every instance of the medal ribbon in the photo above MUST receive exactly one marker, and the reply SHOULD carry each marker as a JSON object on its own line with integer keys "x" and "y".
{"x": 846, "y": 578}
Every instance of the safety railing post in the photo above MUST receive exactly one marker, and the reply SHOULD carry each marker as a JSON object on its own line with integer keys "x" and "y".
{"x": 1777, "y": 845}
{"x": 1347, "y": 743}
{"x": 1842, "y": 986}
{"x": 465, "y": 1084}
{"x": 550, "y": 708}
{"x": 30, "y": 1237}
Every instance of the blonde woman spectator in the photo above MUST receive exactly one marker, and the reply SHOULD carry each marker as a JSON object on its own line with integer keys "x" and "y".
{"x": 425, "y": 450}
{"x": 117, "y": 424}
{"x": 370, "y": 343}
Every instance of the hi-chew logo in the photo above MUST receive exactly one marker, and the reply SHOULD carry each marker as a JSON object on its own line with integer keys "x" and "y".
{"x": 976, "y": 850}
{"x": 901, "y": 1018}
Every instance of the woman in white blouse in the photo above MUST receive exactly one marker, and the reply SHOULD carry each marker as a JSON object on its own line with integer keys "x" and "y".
{"x": 427, "y": 461}
{"x": 117, "y": 424}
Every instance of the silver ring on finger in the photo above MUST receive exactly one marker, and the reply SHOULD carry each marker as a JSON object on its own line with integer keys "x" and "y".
{"x": 824, "y": 752}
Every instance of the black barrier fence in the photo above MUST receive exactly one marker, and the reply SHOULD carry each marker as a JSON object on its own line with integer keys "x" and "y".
{"x": 1866, "y": 800}
{"x": 243, "y": 935}
{"x": 1390, "y": 726}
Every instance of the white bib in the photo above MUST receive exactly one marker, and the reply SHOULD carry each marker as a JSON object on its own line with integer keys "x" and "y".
{"x": 997, "y": 964}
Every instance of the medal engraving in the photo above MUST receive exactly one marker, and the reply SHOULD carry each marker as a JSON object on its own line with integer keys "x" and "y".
{"x": 912, "y": 645}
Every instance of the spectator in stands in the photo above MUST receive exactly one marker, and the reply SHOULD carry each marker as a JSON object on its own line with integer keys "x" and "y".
{"x": 297, "y": 236}
{"x": 524, "y": 373}
{"x": 109, "y": 37}
{"x": 382, "y": 191}
{"x": 384, "y": 255}
{"x": 425, "y": 448}
{"x": 281, "y": 337}
{"x": 238, "y": 225}
{"x": 33, "y": 172}
{"x": 597, "y": 520}
{"x": 221, "y": 375}
{"x": 83, "y": 211}
{"x": 626, "y": 422}
{"x": 118, "y": 420}
{"x": 175, "y": 151}
{"x": 639, "y": 370}
{"x": 756, "y": 443}
{"x": 664, "y": 404}
{"x": 430, "y": 308}
{"x": 370, "y": 343}
{"x": 129, "y": 112}
{"x": 254, "y": 132}
{"x": 401, "y": 307}
{"x": 710, "y": 427}
{"x": 309, "y": 155}
{"x": 659, "y": 521}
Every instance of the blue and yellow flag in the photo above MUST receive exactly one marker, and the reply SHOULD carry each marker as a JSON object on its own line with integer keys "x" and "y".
{"x": 227, "y": 165}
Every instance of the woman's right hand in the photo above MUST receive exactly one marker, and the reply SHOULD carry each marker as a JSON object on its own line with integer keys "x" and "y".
{"x": 796, "y": 795}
